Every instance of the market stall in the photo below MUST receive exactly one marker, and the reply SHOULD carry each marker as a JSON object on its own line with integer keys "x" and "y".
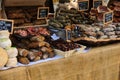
{"x": 80, "y": 41}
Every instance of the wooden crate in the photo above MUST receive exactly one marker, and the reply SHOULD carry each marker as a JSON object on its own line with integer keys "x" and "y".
{"x": 23, "y": 4}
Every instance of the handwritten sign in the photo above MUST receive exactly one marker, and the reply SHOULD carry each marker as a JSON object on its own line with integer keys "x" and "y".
{"x": 97, "y": 3}
{"x": 6, "y": 25}
{"x": 68, "y": 35}
{"x": 42, "y": 12}
{"x": 83, "y": 5}
{"x": 108, "y": 17}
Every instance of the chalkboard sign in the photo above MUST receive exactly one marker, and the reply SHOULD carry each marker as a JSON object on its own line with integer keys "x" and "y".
{"x": 83, "y": 5}
{"x": 108, "y": 17}
{"x": 42, "y": 12}
{"x": 68, "y": 35}
{"x": 97, "y": 3}
{"x": 6, "y": 25}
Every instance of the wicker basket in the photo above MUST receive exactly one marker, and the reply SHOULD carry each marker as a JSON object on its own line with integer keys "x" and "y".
{"x": 3, "y": 57}
{"x": 70, "y": 52}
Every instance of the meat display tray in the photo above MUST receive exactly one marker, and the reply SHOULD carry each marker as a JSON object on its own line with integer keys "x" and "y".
{"x": 95, "y": 42}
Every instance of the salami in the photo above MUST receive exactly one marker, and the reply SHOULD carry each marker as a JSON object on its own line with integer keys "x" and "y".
{"x": 117, "y": 8}
{"x": 102, "y": 9}
{"x": 20, "y": 32}
{"x": 116, "y": 3}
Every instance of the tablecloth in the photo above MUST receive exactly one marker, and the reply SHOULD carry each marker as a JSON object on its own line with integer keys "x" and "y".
{"x": 101, "y": 63}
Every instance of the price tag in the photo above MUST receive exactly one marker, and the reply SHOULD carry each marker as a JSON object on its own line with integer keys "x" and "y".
{"x": 6, "y": 25}
{"x": 83, "y": 5}
{"x": 55, "y": 37}
{"x": 68, "y": 35}
{"x": 42, "y": 12}
{"x": 97, "y": 3}
{"x": 106, "y": 2}
{"x": 108, "y": 17}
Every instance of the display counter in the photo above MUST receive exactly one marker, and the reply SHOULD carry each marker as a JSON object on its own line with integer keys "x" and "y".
{"x": 101, "y": 63}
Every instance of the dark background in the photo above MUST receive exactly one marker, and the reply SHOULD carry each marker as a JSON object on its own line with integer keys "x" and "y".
{"x": 49, "y": 3}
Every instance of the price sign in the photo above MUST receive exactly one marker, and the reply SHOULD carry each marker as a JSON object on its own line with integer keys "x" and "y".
{"x": 97, "y": 3}
{"x": 42, "y": 12}
{"x": 106, "y": 2}
{"x": 108, "y": 17}
{"x": 55, "y": 37}
{"x": 6, "y": 25}
{"x": 68, "y": 35}
{"x": 83, "y": 5}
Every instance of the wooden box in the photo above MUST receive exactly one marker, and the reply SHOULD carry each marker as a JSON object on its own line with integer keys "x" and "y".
{"x": 24, "y": 12}
{"x": 24, "y": 2}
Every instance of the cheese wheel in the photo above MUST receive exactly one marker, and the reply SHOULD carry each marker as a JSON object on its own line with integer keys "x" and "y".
{"x": 3, "y": 57}
{"x": 12, "y": 52}
{"x": 4, "y": 34}
{"x": 5, "y": 42}
{"x": 12, "y": 62}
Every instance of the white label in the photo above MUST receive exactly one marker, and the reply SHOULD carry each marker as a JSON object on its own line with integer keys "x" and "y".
{"x": 55, "y": 37}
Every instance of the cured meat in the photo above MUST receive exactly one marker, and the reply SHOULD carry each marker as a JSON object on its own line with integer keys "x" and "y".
{"x": 24, "y": 16}
{"x": 117, "y": 8}
{"x": 117, "y": 20}
{"x": 16, "y": 15}
{"x": 20, "y": 32}
{"x": 63, "y": 45}
{"x": 102, "y": 9}
{"x": 32, "y": 31}
{"x": 116, "y": 3}
{"x": 38, "y": 31}
{"x": 38, "y": 38}
{"x": 111, "y": 7}
{"x": 43, "y": 31}
{"x": 18, "y": 21}
{"x": 117, "y": 13}
{"x": 93, "y": 12}
{"x": 100, "y": 17}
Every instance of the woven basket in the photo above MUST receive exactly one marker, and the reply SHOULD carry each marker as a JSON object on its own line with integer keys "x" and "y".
{"x": 3, "y": 57}
{"x": 70, "y": 52}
